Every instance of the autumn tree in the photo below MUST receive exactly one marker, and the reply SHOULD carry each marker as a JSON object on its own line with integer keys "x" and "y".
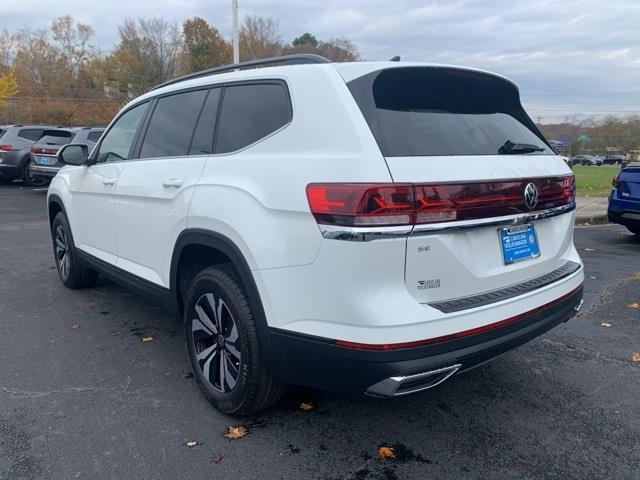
{"x": 75, "y": 52}
{"x": 149, "y": 52}
{"x": 204, "y": 46}
{"x": 336, "y": 50}
{"x": 37, "y": 64}
{"x": 8, "y": 87}
{"x": 305, "y": 39}
{"x": 259, "y": 38}
{"x": 7, "y": 47}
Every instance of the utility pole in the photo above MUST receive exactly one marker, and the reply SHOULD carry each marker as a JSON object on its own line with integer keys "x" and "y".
{"x": 236, "y": 40}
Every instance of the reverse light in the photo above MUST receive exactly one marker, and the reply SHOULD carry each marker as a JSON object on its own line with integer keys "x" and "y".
{"x": 390, "y": 204}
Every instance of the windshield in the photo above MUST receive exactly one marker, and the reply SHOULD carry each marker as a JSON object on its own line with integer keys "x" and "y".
{"x": 424, "y": 111}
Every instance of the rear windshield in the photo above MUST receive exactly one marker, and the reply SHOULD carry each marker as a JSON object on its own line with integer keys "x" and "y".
{"x": 55, "y": 137}
{"x": 423, "y": 111}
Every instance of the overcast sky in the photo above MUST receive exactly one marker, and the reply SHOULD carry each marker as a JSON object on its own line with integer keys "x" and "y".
{"x": 567, "y": 56}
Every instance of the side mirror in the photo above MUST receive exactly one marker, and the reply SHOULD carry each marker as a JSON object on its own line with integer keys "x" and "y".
{"x": 73, "y": 154}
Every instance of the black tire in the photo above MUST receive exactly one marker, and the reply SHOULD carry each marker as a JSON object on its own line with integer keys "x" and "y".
{"x": 70, "y": 270}
{"x": 4, "y": 181}
{"x": 30, "y": 181}
{"x": 635, "y": 229}
{"x": 231, "y": 370}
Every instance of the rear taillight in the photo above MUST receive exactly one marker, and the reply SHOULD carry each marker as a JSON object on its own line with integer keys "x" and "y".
{"x": 365, "y": 204}
{"x": 615, "y": 183}
{"x": 44, "y": 151}
{"x": 6, "y": 147}
{"x": 361, "y": 204}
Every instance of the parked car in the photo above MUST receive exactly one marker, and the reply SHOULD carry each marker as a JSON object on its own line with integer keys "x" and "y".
{"x": 15, "y": 144}
{"x": 611, "y": 159}
{"x": 624, "y": 199}
{"x": 586, "y": 160}
{"x": 44, "y": 164}
{"x": 378, "y": 238}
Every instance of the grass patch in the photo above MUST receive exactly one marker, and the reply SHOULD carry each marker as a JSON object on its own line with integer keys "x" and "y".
{"x": 594, "y": 181}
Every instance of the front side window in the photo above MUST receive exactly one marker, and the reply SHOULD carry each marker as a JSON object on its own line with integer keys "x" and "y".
{"x": 116, "y": 144}
{"x": 172, "y": 125}
{"x": 251, "y": 112}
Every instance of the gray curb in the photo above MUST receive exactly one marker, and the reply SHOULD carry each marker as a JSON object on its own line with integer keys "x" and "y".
{"x": 599, "y": 219}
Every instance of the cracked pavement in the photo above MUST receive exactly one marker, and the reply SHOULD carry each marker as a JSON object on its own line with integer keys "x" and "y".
{"x": 96, "y": 402}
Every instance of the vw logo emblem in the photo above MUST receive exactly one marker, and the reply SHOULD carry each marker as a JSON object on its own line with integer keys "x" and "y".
{"x": 531, "y": 196}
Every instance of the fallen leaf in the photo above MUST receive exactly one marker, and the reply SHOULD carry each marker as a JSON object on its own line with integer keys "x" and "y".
{"x": 148, "y": 338}
{"x": 75, "y": 326}
{"x": 306, "y": 406}
{"x": 217, "y": 458}
{"x": 592, "y": 277}
{"x": 191, "y": 443}
{"x": 635, "y": 357}
{"x": 235, "y": 432}
{"x": 634, "y": 305}
{"x": 606, "y": 324}
{"x": 589, "y": 249}
{"x": 386, "y": 452}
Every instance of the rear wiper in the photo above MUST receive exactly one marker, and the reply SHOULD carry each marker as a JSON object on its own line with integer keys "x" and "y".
{"x": 510, "y": 148}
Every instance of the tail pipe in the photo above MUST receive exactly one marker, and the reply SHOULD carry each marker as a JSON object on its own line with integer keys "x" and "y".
{"x": 404, "y": 385}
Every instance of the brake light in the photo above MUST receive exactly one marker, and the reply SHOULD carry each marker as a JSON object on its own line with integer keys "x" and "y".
{"x": 615, "y": 183}
{"x": 6, "y": 147}
{"x": 388, "y": 204}
{"x": 44, "y": 151}
{"x": 361, "y": 204}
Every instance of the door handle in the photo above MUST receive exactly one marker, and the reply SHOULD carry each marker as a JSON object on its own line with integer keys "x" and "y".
{"x": 108, "y": 181}
{"x": 172, "y": 182}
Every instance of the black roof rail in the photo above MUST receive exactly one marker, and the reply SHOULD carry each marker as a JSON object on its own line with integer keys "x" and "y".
{"x": 297, "y": 59}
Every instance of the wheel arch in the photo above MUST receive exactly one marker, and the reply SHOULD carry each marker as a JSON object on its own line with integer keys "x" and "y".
{"x": 223, "y": 249}
{"x": 55, "y": 206}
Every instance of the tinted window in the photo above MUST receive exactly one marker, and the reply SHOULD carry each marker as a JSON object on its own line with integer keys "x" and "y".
{"x": 94, "y": 136}
{"x": 172, "y": 124}
{"x": 439, "y": 111}
{"x": 203, "y": 137}
{"x": 249, "y": 113}
{"x": 32, "y": 134}
{"x": 2, "y": 132}
{"x": 52, "y": 137}
{"x": 117, "y": 141}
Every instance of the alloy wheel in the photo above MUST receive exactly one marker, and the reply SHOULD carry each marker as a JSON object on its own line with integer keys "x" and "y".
{"x": 215, "y": 339}
{"x": 62, "y": 252}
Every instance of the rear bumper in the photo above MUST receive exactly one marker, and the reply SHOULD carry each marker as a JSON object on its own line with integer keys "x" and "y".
{"x": 321, "y": 363}
{"x": 41, "y": 171}
{"x": 623, "y": 211}
{"x": 9, "y": 172}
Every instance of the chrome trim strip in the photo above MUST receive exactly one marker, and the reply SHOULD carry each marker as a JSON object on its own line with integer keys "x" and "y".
{"x": 507, "y": 220}
{"x": 366, "y": 234}
{"x": 363, "y": 234}
{"x": 500, "y": 294}
{"x": 389, "y": 386}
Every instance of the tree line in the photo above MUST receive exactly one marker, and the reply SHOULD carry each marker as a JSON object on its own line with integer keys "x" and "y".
{"x": 57, "y": 75}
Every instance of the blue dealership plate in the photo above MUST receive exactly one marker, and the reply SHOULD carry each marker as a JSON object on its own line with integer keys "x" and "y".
{"x": 519, "y": 243}
{"x": 45, "y": 160}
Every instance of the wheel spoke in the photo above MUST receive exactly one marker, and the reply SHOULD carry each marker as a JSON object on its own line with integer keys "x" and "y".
{"x": 231, "y": 348}
{"x": 231, "y": 373}
{"x": 223, "y": 370}
{"x": 60, "y": 243}
{"x": 205, "y": 321}
{"x": 204, "y": 354}
{"x": 206, "y": 368}
{"x": 215, "y": 311}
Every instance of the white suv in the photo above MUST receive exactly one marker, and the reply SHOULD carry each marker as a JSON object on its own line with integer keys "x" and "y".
{"x": 360, "y": 227}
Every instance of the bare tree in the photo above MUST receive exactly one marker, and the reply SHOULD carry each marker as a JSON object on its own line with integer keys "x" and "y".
{"x": 259, "y": 38}
{"x": 37, "y": 64}
{"x": 74, "y": 48}
{"x": 7, "y": 47}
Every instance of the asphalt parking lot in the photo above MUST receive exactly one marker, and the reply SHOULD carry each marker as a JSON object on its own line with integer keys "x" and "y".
{"x": 82, "y": 396}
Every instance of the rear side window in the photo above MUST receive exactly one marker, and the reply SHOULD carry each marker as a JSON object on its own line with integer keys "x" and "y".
{"x": 94, "y": 136}
{"x": 422, "y": 111}
{"x": 202, "y": 142}
{"x": 32, "y": 134}
{"x": 251, "y": 112}
{"x": 2, "y": 132}
{"x": 172, "y": 125}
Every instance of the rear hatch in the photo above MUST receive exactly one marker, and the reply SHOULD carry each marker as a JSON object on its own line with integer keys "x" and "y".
{"x": 629, "y": 183}
{"x": 476, "y": 161}
{"x": 45, "y": 150}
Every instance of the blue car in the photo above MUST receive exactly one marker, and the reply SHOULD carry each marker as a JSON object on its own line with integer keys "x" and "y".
{"x": 624, "y": 200}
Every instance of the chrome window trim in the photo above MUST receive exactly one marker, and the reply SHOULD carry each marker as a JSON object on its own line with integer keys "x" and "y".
{"x": 366, "y": 234}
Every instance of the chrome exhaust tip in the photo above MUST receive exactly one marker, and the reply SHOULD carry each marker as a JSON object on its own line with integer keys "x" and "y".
{"x": 404, "y": 385}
